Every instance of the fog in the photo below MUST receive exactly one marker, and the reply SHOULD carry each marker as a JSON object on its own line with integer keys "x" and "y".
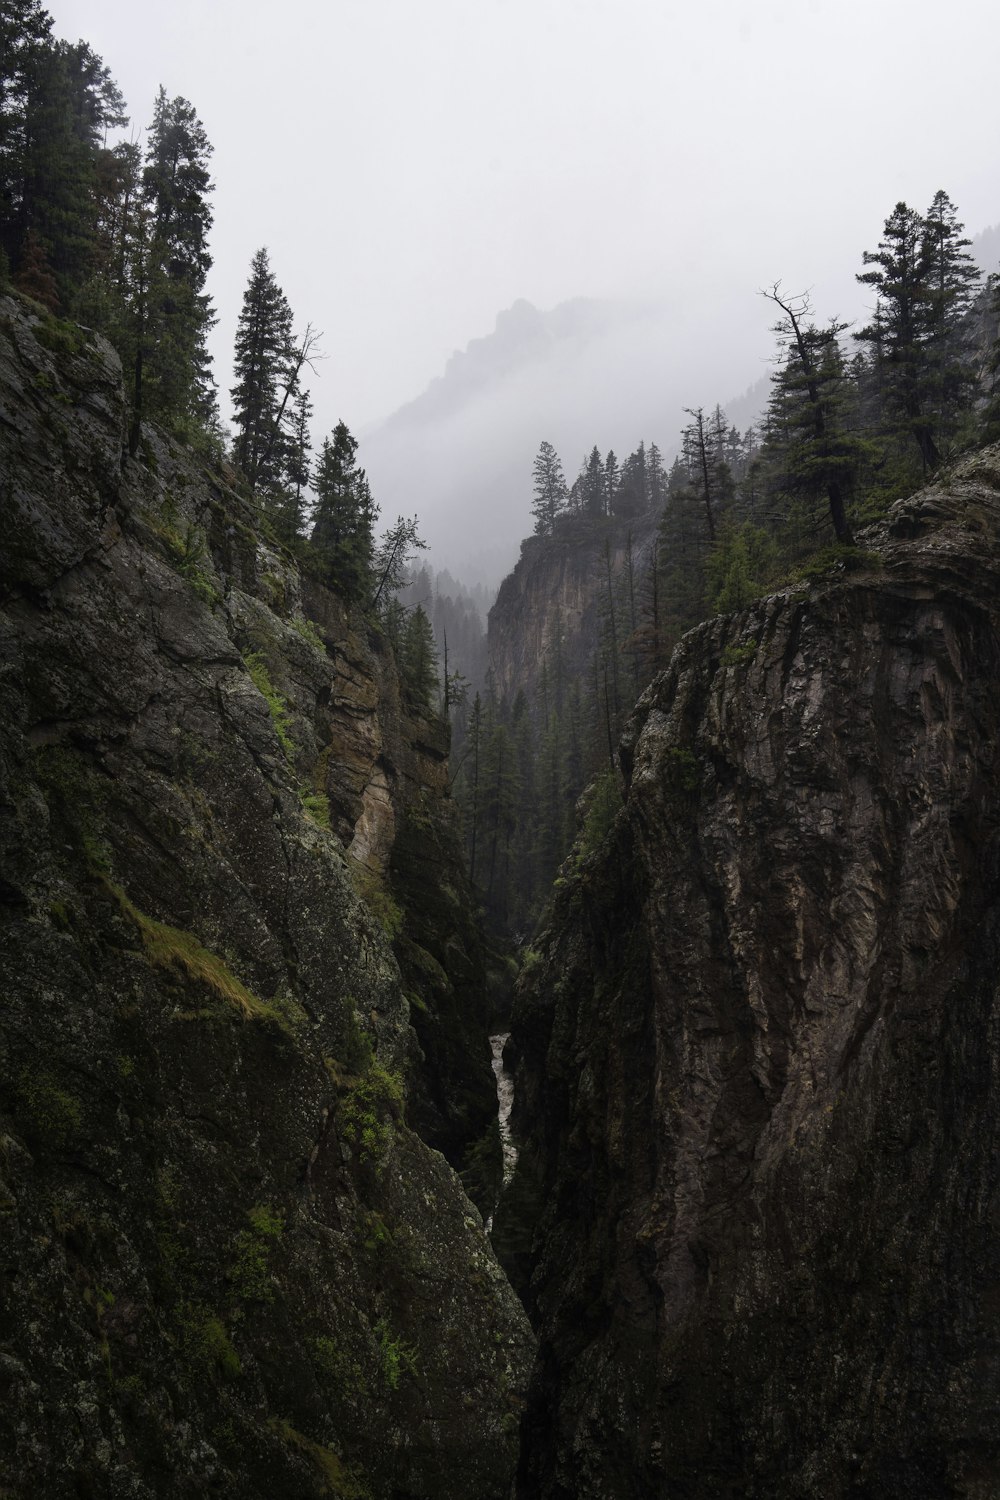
{"x": 417, "y": 169}
{"x": 614, "y": 374}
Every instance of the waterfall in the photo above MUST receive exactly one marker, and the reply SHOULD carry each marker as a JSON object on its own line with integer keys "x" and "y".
{"x": 505, "y": 1103}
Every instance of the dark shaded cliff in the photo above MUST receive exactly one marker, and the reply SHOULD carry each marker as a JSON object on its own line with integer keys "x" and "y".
{"x": 230, "y": 1265}
{"x": 759, "y": 1089}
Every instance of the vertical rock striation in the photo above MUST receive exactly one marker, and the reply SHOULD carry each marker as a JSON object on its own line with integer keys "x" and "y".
{"x": 759, "y": 1095}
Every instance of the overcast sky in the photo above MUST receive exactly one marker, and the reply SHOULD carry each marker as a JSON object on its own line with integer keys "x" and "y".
{"x": 415, "y": 166}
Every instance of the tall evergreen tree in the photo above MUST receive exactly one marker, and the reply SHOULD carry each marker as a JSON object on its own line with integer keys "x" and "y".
{"x": 631, "y": 496}
{"x": 549, "y": 489}
{"x": 419, "y": 661}
{"x": 821, "y": 455}
{"x": 25, "y": 36}
{"x": 344, "y": 517}
{"x": 298, "y": 468}
{"x": 895, "y": 338}
{"x": 954, "y": 280}
{"x": 592, "y": 485}
{"x": 172, "y": 378}
{"x": 263, "y": 351}
{"x": 610, "y": 482}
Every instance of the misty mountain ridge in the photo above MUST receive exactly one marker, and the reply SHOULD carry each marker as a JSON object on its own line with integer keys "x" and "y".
{"x": 523, "y": 334}
{"x": 605, "y": 371}
{"x": 588, "y": 371}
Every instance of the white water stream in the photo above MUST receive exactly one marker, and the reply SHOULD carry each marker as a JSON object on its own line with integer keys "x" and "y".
{"x": 505, "y": 1103}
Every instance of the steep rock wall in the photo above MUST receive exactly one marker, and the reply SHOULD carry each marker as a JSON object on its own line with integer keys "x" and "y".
{"x": 550, "y": 604}
{"x": 229, "y": 1264}
{"x": 759, "y": 1094}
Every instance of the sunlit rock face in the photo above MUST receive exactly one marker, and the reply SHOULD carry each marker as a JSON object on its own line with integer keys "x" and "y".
{"x": 230, "y": 1264}
{"x": 759, "y": 1091}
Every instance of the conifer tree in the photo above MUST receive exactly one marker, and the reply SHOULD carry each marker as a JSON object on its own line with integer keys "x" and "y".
{"x": 344, "y": 517}
{"x": 898, "y": 331}
{"x": 392, "y": 556}
{"x": 549, "y": 489}
{"x": 702, "y": 467}
{"x": 419, "y": 659}
{"x": 954, "y": 279}
{"x": 820, "y": 454}
{"x": 173, "y": 315}
{"x": 631, "y": 496}
{"x": 25, "y": 36}
{"x": 263, "y": 351}
{"x": 610, "y": 482}
{"x": 292, "y": 520}
{"x": 592, "y": 485}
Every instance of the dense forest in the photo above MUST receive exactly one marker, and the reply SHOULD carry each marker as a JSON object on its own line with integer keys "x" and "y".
{"x": 116, "y": 236}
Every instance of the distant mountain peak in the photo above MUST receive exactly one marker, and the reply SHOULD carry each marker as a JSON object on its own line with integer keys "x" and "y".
{"x": 521, "y": 336}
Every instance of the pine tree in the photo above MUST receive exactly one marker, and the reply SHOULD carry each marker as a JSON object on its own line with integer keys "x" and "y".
{"x": 954, "y": 279}
{"x": 656, "y": 478}
{"x": 898, "y": 332}
{"x": 172, "y": 378}
{"x": 549, "y": 489}
{"x": 820, "y": 454}
{"x": 56, "y": 102}
{"x": 25, "y": 35}
{"x": 592, "y": 485}
{"x": 292, "y": 517}
{"x": 392, "y": 556}
{"x": 343, "y": 518}
{"x": 610, "y": 482}
{"x": 990, "y": 416}
{"x": 631, "y": 496}
{"x": 262, "y": 356}
{"x": 419, "y": 661}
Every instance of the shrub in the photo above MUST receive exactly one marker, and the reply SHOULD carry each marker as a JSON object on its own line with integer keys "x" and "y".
{"x": 249, "y": 1272}
{"x": 366, "y": 1118}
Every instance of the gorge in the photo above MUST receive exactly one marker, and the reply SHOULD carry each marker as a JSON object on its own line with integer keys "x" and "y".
{"x": 249, "y": 1118}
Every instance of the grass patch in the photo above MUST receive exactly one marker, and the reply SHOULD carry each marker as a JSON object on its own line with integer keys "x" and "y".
{"x": 205, "y": 1341}
{"x": 379, "y": 900}
{"x": 307, "y": 630}
{"x": 682, "y": 773}
{"x": 276, "y": 704}
{"x": 339, "y": 1367}
{"x": 395, "y": 1357}
{"x": 51, "y": 1116}
{"x": 316, "y": 805}
{"x": 822, "y": 564}
{"x": 603, "y": 806}
{"x": 249, "y": 1273}
{"x": 340, "y": 1483}
{"x": 169, "y": 948}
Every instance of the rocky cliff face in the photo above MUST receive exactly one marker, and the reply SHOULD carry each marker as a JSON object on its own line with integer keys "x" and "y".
{"x": 759, "y": 1096}
{"x": 230, "y": 1265}
{"x": 549, "y": 607}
